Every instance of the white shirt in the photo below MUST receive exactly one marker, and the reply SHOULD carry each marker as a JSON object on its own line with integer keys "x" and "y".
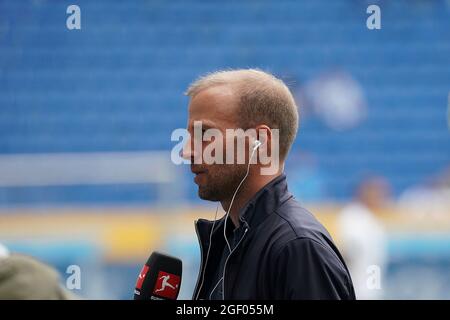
{"x": 363, "y": 243}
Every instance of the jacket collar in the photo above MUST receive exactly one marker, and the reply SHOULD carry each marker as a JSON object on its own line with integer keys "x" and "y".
{"x": 265, "y": 201}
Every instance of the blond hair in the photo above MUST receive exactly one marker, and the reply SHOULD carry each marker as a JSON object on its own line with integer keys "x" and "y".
{"x": 263, "y": 99}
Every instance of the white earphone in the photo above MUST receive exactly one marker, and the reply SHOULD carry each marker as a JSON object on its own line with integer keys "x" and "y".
{"x": 256, "y": 145}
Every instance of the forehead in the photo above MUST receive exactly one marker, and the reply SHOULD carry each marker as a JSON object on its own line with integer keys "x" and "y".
{"x": 216, "y": 106}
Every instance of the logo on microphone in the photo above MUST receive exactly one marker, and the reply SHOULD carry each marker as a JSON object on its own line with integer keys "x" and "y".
{"x": 141, "y": 277}
{"x": 167, "y": 285}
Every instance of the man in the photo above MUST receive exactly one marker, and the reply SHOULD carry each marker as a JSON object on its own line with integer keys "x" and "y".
{"x": 363, "y": 237}
{"x": 266, "y": 246}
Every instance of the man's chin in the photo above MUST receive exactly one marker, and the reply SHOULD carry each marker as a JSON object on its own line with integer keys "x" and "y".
{"x": 207, "y": 195}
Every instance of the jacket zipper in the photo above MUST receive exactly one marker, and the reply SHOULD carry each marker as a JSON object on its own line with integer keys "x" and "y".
{"x": 226, "y": 261}
{"x": 200, "y": 274}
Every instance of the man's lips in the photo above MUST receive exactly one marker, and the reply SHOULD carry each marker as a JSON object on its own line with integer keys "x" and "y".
{"x": 197, "y": 170}
{"x": 198, "y": 175}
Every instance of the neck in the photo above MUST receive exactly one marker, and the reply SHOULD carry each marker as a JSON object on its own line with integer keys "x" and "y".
{"x": 249, "y": 188}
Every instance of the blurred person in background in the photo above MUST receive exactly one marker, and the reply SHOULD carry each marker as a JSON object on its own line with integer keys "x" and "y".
{"x": 25, "y": 278}
{"x": 363, "y": 238}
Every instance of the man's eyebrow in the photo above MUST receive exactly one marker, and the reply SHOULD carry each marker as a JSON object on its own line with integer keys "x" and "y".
{"x": 207, "y": 124}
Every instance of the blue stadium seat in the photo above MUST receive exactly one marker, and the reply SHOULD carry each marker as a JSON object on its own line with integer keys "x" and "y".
{"x": 117, "y": 85}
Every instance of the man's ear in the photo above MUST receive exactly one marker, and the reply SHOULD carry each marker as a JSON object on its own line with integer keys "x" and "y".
{"x": 264, "y": 135}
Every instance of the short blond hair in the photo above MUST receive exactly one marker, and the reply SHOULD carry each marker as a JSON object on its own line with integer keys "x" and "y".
{"x": 263, "y": 99}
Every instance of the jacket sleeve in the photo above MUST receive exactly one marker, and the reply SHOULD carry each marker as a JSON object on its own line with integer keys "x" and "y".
{"x": 305, "y": 269}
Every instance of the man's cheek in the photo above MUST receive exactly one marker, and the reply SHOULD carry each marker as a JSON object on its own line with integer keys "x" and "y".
{"x": 213, "y": 153}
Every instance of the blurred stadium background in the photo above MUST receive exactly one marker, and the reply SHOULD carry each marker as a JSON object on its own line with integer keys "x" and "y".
{"x": 86, "y": 118}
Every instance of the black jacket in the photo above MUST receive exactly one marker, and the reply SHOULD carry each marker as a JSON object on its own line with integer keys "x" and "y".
{"x": 283, "y": 253}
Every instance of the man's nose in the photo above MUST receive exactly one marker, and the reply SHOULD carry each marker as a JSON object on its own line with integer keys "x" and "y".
{"x": 188, "y": 151}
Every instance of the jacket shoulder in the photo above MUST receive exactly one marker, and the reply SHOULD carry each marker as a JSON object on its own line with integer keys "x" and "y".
{"x": 300, "y": 234}
{"x": 295, "y": 222}
{"x": 300, "y": 223}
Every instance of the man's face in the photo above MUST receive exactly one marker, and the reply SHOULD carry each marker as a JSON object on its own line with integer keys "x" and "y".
{"x": 216, "y": 108}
